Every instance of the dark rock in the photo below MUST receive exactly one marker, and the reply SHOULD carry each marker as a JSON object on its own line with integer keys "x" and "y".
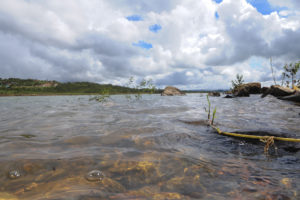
{"x": 245, "y": 90}
{"x": 214, "y": 94}
{"x": 228, "y": 96}
{"x": 278, "y": 91}
{"x": 241, "y": 92}
{"x": 266, "y": 93}
{"x": 295, "y": 97}
{"x": 253, "y": 88}
{"x": 172, "y": 91}
{"x": 264, "y": 89}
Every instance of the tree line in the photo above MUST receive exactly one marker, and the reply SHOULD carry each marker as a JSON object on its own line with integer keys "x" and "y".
{"x": 15, "y": 86}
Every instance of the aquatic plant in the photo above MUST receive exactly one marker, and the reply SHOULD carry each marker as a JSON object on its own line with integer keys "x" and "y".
{"x": 208, "y": 112}
{"x": 208, "y": 115}
{"x": 145, "y": 86}
{"x": 214, "y": 115}
{"x": 103, "y": 97}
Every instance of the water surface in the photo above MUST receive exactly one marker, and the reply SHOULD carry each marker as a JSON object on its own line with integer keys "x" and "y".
{"x": 154, "y": 148}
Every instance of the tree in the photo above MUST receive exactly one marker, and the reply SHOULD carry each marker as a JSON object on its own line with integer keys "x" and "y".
{"x": 238, "y": 82}
{"x": 290, "y": 71}
{"x": 271, "y": 65}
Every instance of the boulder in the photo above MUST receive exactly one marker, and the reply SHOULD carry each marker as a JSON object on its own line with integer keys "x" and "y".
{"x": 278, "y": 91}
{"x": 245, "y": 90}
{"x": 214, "y": 94}
{"x": 172, "y": 91}
{"x": 264, "y": 89}
{"x": 241, "y": 92}
{"x": 294, "y": 97}
{"x": 253, "y": 88}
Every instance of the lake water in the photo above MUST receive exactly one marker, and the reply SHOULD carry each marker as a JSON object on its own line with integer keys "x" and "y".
{"x": 154, "y": 148}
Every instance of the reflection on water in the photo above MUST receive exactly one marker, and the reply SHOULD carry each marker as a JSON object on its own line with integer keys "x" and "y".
{"x": 67, "y": 147}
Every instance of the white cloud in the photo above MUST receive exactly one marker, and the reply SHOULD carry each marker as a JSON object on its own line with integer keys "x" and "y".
{"x": 92, "y": 40}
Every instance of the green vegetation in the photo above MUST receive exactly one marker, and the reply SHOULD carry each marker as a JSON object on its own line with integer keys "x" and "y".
{"x": 16, "y": 82}
{"x": 28, "y": 136}
{"x": 15, "y": 86}
{"x": 103, "y": 97}
{"x": 208, "y": 112}
{"x": 290, "y": 71}
{"x": 238, "y": 82}
{"x": 214, "y": 116}
{"x": 145, "y": 86}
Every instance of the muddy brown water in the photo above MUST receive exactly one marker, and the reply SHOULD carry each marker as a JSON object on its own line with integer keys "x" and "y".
{"x": 67, "y": 147}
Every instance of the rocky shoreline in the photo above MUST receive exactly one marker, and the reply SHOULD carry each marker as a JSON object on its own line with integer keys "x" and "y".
{"x": 245, "y": 90}
{"x": 283, "y": 93}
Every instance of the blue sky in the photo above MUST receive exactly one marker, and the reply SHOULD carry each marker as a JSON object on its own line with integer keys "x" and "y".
{"x": 143, "y": 44}
{"x": 134, "y": 18}
{"x": 155, "y": 28}
{"x": 218, "y": 1}
{"x": 264, "y": 7}
{"x": 217, "y": 15}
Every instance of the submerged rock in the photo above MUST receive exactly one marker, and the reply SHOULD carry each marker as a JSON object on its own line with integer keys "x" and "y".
{"x": 7, "y": 196}
{"x": 135, "y": 173}
{"x": 112, "y": 185}
{"x": 172, "y": 91}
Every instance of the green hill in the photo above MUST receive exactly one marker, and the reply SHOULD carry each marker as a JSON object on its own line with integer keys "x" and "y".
{"x": 15, "y": 86}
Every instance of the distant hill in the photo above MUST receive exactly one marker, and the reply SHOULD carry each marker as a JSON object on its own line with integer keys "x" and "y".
{"x": 16, "y": 86}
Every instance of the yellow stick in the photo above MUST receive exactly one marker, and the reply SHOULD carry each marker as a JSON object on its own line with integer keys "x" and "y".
{"x": 253, "y": 136}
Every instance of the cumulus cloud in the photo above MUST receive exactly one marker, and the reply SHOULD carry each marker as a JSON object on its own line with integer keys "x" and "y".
{"x": 196, "y": 45}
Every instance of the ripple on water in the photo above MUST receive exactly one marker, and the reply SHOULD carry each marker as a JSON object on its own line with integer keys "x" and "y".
{"x": 155, "y": 148}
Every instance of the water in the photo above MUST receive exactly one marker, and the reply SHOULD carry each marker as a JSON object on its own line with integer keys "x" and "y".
{"x": 154, "y": 148}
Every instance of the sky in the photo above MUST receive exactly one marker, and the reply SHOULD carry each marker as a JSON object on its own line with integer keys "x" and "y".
{"x": 189, "y": 44}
